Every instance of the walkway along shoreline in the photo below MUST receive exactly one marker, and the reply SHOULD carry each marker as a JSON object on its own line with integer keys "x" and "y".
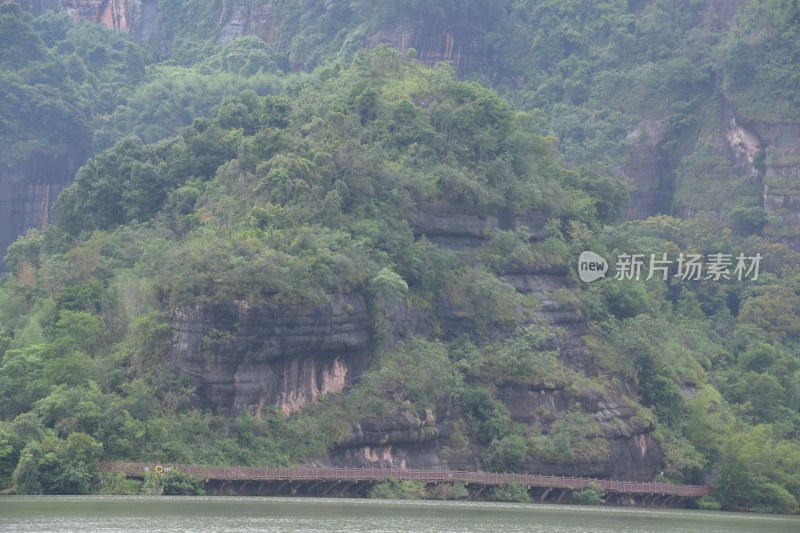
{"x": 292, "y": 480}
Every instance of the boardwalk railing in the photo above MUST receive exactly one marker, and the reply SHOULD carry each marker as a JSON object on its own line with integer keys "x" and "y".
{"x": 242, "y": 473}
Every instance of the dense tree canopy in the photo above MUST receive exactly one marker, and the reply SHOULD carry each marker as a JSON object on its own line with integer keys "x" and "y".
{"x": 218, "y": 177}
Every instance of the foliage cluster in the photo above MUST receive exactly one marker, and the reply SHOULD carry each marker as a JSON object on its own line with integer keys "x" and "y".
{"x": 716, "y": 362}
{"x": 174, "y": 483}
{"x": 591, "y": 495}
{"x": 511, "y": 491}
{"x": 395, "y": 489}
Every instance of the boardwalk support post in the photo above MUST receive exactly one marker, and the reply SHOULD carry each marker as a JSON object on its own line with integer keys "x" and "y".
{"x": 362, "y": 488}
{"x": 325, "y": 493}
{"x": 346, "y": 487}
{"x": 314, "y": 486}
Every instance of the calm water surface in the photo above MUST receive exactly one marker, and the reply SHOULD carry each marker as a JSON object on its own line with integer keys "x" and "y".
{"x": 62, "y": 514}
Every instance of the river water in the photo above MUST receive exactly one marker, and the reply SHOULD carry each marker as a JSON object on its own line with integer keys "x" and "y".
{"x": 110, "y": 514}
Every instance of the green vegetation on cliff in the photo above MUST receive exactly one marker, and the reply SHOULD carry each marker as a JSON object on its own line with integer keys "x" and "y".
{"x": 219, "y": 179}
{"x": 276, "y": 199}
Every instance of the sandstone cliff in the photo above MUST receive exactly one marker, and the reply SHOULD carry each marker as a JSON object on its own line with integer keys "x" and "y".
{"x": 29, "y": 189}
{"x": 247, "y": 356}
{"x": 140, "y": 18}
{"x": 243, "y": 356}
{"x": 247, "y": 18}
{"x": 729, "y": 161}
{"x": 134, "y": 17}
{"x": 462, "y": 44}
{"x": 771, "y": 154}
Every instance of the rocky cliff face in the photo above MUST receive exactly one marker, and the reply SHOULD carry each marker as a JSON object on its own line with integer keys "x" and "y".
{"x": 245, "y": 18}
{"x": 139, "y": 18}
{"x": 731, "y": 161}
{"x": 631, "y": 453}
{"x": 461, "y": 44}
{"x": 651, "y": 180}
{"x": 248, "y": 356}
{"x": 401, "y": 440}
{"x": 135, "y": 17}
{"x": 454, "y": 227}
{"x": 415, "y": 440}
{"x": 759, "y": 161}
{"x": 28, "y": 191}
{"x": 772, "y": 154}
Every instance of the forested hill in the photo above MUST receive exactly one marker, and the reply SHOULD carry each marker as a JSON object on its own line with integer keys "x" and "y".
{"x": 375, "y": 262}
{"x": 693, "y": 103}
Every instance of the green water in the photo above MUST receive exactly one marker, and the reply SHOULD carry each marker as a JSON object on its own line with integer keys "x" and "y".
{"x": 110, "y": 514}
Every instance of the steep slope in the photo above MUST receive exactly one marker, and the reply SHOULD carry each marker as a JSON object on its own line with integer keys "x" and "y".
{"x": 75, "y": 89}
{"x": 29, "y": 189}
{"x": 52, "y": 96}
{"x": 378, "y": 266}
{"x": 335, "y": 266}
{"x": 628, "y": 94}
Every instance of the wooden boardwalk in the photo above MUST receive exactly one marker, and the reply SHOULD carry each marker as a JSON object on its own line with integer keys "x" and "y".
{"x": 310, "y": 474}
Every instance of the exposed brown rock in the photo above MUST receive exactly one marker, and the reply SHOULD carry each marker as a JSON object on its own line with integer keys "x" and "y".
{"x": 461, "y": 44}
{"x": 244, "y": 356}
{"x": 28, "y": 191}
{"x": 453, "y": 226}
